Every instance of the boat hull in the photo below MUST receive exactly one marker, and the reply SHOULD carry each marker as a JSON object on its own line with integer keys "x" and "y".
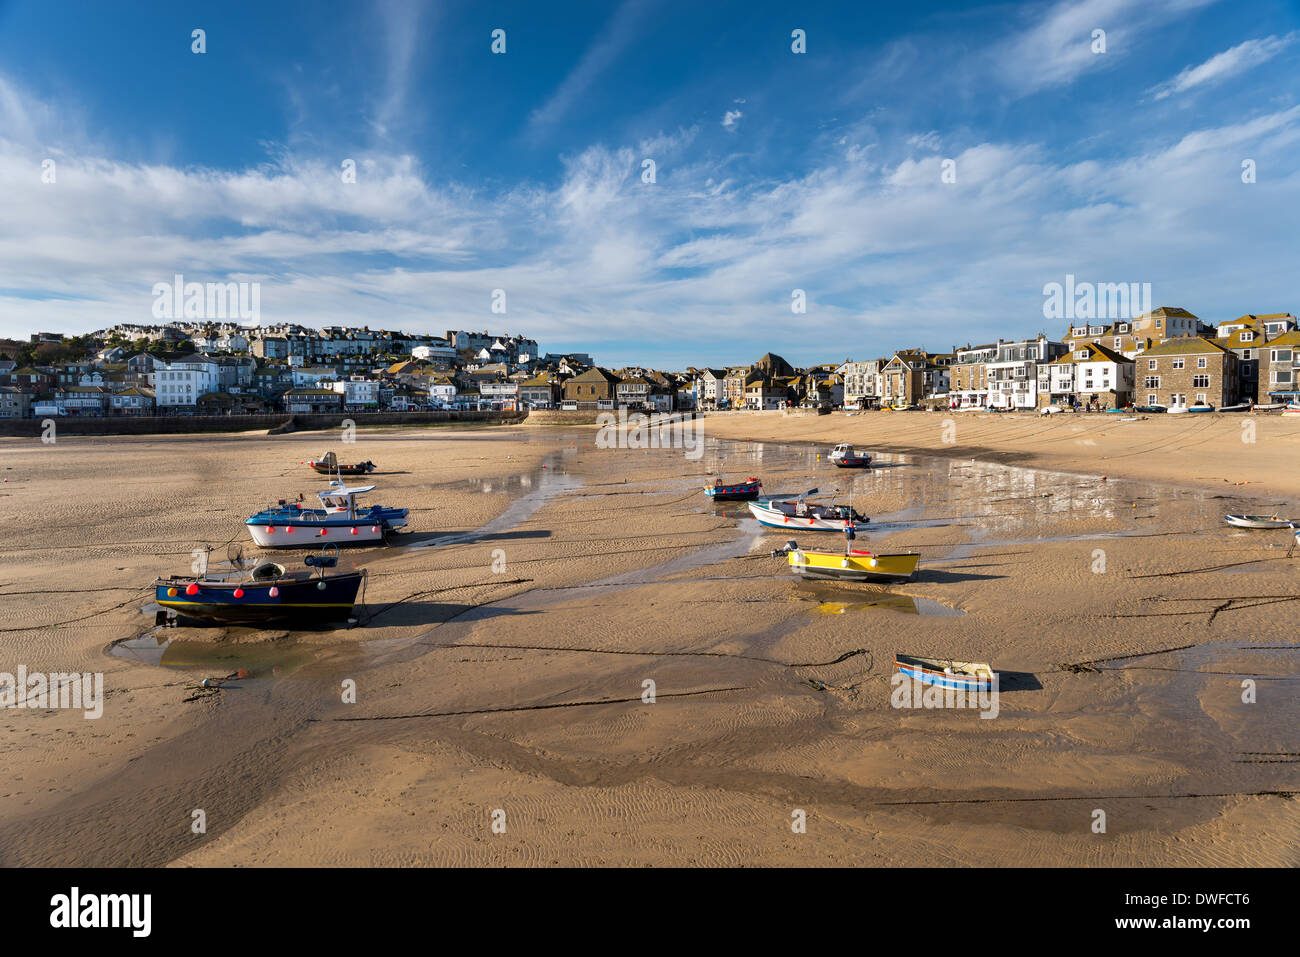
{"x": 1257, "y": 521}
{"x": 299, "y": 601}
{"x": 743, "y": 491}
{"x": 340, "y": 469}
{"x": 930, "y": 671}
{"x": 856, "y": 567}
{"x": 299, "y": 534}
{"x": 856, "y": 462}
{"x": 775, "y": 518}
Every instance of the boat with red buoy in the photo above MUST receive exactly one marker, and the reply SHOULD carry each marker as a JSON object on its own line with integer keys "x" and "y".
{"x": 267, "y": 593}
{"x": 339, "y": 521}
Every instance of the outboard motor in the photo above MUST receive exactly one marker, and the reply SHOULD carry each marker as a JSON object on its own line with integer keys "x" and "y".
{"x": 790, "y": 546}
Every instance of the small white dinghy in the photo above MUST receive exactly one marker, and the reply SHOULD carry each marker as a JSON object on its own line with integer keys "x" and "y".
{"x": 1259, "y": 521}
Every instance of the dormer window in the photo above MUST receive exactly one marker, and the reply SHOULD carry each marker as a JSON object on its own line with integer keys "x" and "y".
{"x": 1247, "y": 336}
{"x": 1081, "y": 354}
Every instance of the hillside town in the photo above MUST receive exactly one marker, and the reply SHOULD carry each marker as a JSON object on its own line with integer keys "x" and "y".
{"x": 1166, "y": 358}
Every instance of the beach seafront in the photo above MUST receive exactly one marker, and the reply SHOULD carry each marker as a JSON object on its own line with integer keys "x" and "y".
{"x": 573, "y": 658}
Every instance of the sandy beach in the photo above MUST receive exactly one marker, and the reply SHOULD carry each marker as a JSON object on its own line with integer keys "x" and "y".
{"x": 505, "y": 642}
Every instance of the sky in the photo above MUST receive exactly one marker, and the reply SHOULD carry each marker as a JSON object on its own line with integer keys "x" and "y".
{"x": 916, "y": 176}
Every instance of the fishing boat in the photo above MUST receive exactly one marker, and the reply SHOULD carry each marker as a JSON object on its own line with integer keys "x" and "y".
{"x": 856, "y": 566}
{"x": 1239, "y": 407}
{"x": 328, "y": 464}
{"x": 808, "y": 516}
{"x": 737, "y": 492}
{"x": 339, "y": 520}
{"x": 1291, "y": 409}
{"x": 959, "y": 675}
{"x": 1200, "y": 407}
{"x": 1258, "y": 521}
{"x": 846, "y": 457}
{"x": 268, "y": 593}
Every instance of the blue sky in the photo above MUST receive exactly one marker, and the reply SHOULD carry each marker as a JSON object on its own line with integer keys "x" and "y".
{"x": 774, "y": 171}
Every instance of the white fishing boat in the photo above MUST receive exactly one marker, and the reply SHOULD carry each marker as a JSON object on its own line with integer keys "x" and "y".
{"x": 339, "y": 521}
{"x": 1291, "y": 409}
{"x": 845, "y": 456}
{"x": 1259, "y": 521}
{"x": 809, "y": 516}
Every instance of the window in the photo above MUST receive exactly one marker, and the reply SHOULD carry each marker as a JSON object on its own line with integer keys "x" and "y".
{"x": 1282, "y": 376}
{"x": 1202, "y": 362}
{"x": 1200, "y": 398}
{"x": 1081, "y": 354}
{"x": 1117, "y": 342}
{"x": 1151, "y": 365}
{"x": 1200, "y": 382}
{"x": 1281, "y": 355}
{"x": 1247, "y": 337}
{"x": 1152, "y": 382}
{"x": 1245, "y": 353}
{"x": 1179, "y": 363}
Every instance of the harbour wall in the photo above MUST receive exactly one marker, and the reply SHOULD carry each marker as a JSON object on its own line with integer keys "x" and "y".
{"x": 273, "y": 423}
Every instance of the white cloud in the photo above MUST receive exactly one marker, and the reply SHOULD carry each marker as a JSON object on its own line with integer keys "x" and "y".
{"x": 926, "y": 141}
{"x": 731, "y": 118}
{"x": 1056, "y": 49}
{"x": 1223, "y": 65}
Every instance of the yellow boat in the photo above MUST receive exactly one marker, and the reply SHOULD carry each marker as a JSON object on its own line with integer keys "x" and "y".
{"x": 857, "y": 566}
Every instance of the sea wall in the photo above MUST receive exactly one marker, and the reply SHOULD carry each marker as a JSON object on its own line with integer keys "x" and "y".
{"x": 274, "y": 423}
{"x": 586, "y": 416}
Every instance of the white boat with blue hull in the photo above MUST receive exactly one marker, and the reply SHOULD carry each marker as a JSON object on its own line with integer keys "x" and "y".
{"x": 339, "y": 521}
{"x": 806, "y": 516}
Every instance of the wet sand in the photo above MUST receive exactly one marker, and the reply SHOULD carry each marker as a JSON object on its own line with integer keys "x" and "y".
{"x": 1257, "y": 452}
{"x": 515, "y": 693}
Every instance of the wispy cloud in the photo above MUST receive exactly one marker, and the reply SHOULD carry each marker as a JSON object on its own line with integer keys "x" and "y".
{"x": 613, "y": 40}
{"x": 731, "y": 118}
{"x": 403, "y": 23}
{"x": 1221, "y": 66}
{"x": 1056, "y": 48}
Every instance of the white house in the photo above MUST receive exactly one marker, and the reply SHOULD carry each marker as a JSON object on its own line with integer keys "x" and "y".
{"x": 1013, "y": 375}
{"x": 178, "y": 381}
{"x": 359, "y": 394}
{"x": 1090, "y": 373}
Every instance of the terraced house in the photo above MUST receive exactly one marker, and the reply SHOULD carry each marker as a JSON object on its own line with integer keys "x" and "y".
{"x": 1283, "y": 368}
{"x": 968, "y": 376}
{"x": 1187, "y": 371}
{"x": 1090, "y": 375}
{"x": 1013, "y": 377}
{"x": 861, "y": 383}
{"x": 904, "y": 378}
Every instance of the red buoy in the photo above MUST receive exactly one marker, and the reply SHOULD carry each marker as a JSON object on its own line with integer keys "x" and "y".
{"x": 239, "y": 593}
{"x": 192, "y": 589}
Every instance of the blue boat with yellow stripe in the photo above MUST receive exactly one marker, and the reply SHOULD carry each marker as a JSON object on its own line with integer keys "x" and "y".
{"x": 269, "y": 593}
